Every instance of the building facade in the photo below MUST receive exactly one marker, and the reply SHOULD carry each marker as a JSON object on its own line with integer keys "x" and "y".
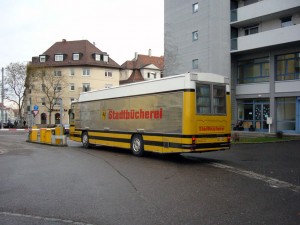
{"x": 255, "y": 43}
{"x": 75, "y": 67}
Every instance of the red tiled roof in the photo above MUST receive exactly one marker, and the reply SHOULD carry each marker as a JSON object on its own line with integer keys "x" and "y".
{"x": 136, "y": 76}
{"x": 144, "y": 60}
{"x": 84, "y": 47}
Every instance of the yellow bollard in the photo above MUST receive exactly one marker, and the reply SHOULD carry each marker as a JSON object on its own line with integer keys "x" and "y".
{"x": 42, "y": 135}
{"x": 33, "y": 136}
{"x": 57, "y": 133}
{"x": 48, "y": 134}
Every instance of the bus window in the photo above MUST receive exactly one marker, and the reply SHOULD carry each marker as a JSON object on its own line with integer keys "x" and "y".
{"x": 203, "y": 103}
{"x": 219, "y": 102}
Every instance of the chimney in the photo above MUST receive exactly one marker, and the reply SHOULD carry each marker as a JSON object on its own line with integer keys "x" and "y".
{"x": 149, "y": 52}
{"x": 64, "y": 40}
{"x": 135, "y": 56}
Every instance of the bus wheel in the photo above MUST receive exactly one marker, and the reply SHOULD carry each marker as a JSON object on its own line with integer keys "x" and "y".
{"x": 137, "y": 145}
{"x": 85, "y": 140}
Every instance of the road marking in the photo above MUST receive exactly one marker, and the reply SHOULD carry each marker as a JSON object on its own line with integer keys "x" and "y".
{"x": 46, "y": 219}
{"x": 275, "y": 183}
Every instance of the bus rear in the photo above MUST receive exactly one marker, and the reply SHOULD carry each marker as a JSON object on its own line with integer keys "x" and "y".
{"x": 207, "y": 115}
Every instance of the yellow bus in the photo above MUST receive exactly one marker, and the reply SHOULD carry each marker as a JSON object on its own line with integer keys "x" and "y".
{"x": 183, "y": 113}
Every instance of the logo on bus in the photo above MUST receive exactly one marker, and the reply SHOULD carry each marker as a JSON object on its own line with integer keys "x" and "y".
{"x": 211, "y": 128}
{"x": 133, "y": 114}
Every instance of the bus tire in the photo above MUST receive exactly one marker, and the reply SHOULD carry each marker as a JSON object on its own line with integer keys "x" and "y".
{"x": 85, "y": 140}
{"x": 137, "y": 145}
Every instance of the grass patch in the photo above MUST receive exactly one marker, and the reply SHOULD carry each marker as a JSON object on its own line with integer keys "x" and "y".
{"x": 263, "y": 139}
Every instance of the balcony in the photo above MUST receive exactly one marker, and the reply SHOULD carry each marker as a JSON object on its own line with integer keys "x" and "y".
{"x": 263, "y": 10}
{"x": 266, "y": 39}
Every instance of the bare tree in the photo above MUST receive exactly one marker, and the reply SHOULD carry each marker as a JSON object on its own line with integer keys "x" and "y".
{"x": 14, "y": 82}
{"x": 50, "y": 83}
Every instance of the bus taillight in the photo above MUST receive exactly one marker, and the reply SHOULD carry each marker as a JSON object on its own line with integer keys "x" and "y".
{"x": 193, "y": 141}
{"x": 228, "y": 138}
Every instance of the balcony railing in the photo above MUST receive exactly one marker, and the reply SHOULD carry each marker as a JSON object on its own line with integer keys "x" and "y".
{"x": 267, "y": 38}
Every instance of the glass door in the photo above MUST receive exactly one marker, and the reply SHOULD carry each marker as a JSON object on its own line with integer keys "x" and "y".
{"x": 261, "y": 112}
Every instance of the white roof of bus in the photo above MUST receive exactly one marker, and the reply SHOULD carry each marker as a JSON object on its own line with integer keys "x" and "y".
{"x": 171, "y": 83}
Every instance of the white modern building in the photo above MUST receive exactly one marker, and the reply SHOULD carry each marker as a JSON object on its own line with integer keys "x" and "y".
{"x": 255, "y": 43}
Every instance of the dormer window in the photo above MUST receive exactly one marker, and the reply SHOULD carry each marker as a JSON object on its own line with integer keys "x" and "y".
{"x": 42, "y": 58}
{"x": 97, "y": 57}
{"x": 76, "y": 56}
{"x": 105, "y": 58}
{"x": 59, "y": 57}
{"x": 101, "y": 57}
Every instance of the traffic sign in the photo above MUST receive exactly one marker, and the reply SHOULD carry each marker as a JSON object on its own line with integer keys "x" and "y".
{"x": 35, "y": 107}
{"x": 35, "y": 112}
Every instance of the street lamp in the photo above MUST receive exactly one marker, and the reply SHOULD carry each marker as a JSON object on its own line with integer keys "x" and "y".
{"x": 2, "y": 97}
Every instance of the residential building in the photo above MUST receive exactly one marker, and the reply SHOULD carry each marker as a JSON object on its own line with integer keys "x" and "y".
{"x": 254, "y": 42}
{"x": 78, "y": 66}
{"x": 8, "y": 114}
{"x": 142, "y": 67}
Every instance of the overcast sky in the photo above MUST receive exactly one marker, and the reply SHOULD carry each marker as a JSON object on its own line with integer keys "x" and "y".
{"x": 119, "y": 27}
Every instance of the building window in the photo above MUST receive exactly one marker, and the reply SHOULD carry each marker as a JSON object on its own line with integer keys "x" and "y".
{"x": 286, "y": 21}
{"x": 59, "y": 57}
{"x": 75, "y": 56}
{"x": 195, "y": 7}
{"x": 195, "y": 35}
{"x": 42, "y": 58}
{"x": 86, "y": 72}
{"x": 57, "y": 101}
{"x": 253, "y": 71}
{"x": 57, "y": 118}
{"x": 57, "y": 88}
{"x": 195, "y": 64}
{"x": 97, "y": 57}
{"x": 288, "y": 66}
{"x": 57, "y": 73}
{"x": 72, "y": 100}
{"x": 286, "y": 113}
{"x": 108, "y": 74}
{"x": 86, "y": 87}
{"x": 43, "y": 88}
{"x": 72, "y": 72}
{"x": 251, "y": 30}
{"x": 72, "y": 87}
{"x": 43, "y": 118}
{"x": 43, "y": 101}
{"x": 105, "y": 58}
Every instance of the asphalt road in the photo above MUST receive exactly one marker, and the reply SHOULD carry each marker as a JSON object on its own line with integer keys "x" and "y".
{"x": 249, "y": 184}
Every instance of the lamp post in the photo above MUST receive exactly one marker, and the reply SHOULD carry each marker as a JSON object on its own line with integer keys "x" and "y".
{"x": 2, "y": 97}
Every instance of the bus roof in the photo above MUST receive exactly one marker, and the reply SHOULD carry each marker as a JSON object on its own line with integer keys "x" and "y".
{"x": 166, "y": 84}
